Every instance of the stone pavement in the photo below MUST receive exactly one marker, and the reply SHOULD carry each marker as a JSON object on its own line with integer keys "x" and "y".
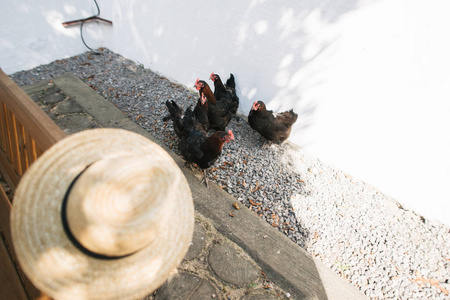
{"x": 233, "y": 254}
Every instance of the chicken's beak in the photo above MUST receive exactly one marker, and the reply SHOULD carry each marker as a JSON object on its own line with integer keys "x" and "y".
{"x": 195, "y": 84}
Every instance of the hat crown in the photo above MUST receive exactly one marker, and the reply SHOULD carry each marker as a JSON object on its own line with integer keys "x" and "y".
{"x": 115, "y": 206}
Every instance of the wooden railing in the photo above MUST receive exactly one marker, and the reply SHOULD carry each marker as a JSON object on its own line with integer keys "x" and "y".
{"x": 25, "y": 133}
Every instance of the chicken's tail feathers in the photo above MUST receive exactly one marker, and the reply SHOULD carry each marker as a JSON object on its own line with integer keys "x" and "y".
{"x": 293, "y": 116}
{"x": 230, "y": 82}
{"x": 176, "y": 115}
{"x": 231, "y": 86}
{"x": 174, "y": 110}
{"x": 171, "y": 111}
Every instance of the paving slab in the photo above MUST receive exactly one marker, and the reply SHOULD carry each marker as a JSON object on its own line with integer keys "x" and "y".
{"x": 67, "y": 106}
{"x": 231, "y": 266}
{"x": 198, "y": 242}
{"x": 82, "y": 122}
{"x": 53, "y": 98}
{"x": 185, "y": 286}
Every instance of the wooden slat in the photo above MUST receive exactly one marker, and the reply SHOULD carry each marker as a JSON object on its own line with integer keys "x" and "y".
{"x": 2, "y": 128}
{"x": 21, "y": 141}
{"x": 7, "y": 133}
{"x": 7, "y": 170}
{"x": 14, "y": 144}
{"x": 39, "y": 151}
{"x": 30, "y": 149}
{"x": 5, "y": 210}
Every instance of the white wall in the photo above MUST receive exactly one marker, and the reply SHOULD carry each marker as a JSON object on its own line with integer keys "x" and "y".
{"x": 370, "y": 79}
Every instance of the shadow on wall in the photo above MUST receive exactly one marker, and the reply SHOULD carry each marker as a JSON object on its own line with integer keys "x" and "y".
{"x": 267, "y": 46}
{"x": 284, "y": 45}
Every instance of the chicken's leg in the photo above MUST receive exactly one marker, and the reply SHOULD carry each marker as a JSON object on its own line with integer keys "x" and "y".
{"x": 189, "y": 165}
{"x": 266, "y": 144}
{"x": 204, "y": 178}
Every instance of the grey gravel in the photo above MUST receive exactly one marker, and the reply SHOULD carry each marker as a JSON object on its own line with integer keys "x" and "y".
{"x": 360, "y": 233}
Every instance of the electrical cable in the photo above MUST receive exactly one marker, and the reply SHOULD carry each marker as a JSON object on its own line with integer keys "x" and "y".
{"x": 89, "y": 19}
{"x": 82, "y": 39}
{"x": 81, "y": 29}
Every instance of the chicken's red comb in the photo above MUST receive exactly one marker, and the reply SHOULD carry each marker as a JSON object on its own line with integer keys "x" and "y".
{"x": 230, "y": 133}
{"x": 197, "y": 81}
{"x": 212, "y": 76}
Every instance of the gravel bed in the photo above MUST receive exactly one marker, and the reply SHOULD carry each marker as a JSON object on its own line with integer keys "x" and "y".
{"x": 357, "y": 231}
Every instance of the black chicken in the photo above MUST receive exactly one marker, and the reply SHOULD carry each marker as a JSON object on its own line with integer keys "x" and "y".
{"x": 219, "y": 113}
{"x": 225, "y": 94}
{"x": 275, "y": 127}
{"x": 194, "y": 144}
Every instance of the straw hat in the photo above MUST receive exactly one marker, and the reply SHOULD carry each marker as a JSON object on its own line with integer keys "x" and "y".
{"x": 103, "y": 214}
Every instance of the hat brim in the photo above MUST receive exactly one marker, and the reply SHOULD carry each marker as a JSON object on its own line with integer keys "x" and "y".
{"x": 44, "y": 250}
